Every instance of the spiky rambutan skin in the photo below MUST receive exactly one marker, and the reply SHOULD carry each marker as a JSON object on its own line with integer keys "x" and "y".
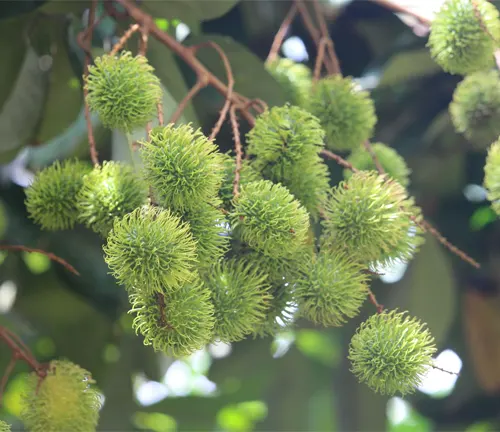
{"x": 183, "y": 166}
{"x": 269, "y": 219}
{"x": 475, "y": 109}
{"x": 332, "y": 290}
{"x": 62, "y": 401}
{"x": 4, "y": 427}
{"x": 152, "y": 250}
{"x": 369, "y": 217}
{"x": 392, "y": 163}
{"x": 492, "y": 176}
{"x": 286, "y": 133}
{"x": 346, "y": 114}
{"x": 178, "y": 323}
{"x": 123, "y": 90}
{"x": 307, "y": 179}
{"x": 51, "y": 200}
{"x": 108, "y": 192}
{"x": 295, "y": 79}
{"x": 240, "y": 295}
{"x": 391, "y": 352}
{"x": 209, "y": 227}
{"x": 463, "y": 35}
{"x": 247, "y": 175}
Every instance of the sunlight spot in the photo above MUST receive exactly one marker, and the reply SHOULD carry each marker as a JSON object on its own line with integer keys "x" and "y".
{"x": 203, "y": 386}
{"x": 475, "y": 193}
{"x": 178, "y": 378}
{"x": 219, "y": 349}
{"x": 398, "y": 410}
{"x": 8, "y": 292}
{"x": 295, "y": 49}
{"x": 149, "y": 392}
{"x": 182, "y": 31}
{"x": 394, "y": 273}
{"x": 282, "y": 343}
{"x": 438, "y": 383}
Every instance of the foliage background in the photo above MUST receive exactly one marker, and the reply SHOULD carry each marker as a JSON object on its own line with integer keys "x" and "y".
{"x": 300, "y": 381}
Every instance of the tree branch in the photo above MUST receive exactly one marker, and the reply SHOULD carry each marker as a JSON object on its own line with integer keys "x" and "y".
{"x": 280, "y": 35}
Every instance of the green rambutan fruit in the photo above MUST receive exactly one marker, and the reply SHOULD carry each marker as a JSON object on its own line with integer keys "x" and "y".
{"x": 332, "y": 290}
{"x": 240, "y": 295}
{"x": 123, "y": 90}
{"x": 307, "y": 179}
{"x": 150, "y": 249}
{"x": 178, "y": 323}
{"x": 63, "y": 400}
{"x": 209, "y": 227}
{"x": 269, "y": 219}
{"x": 392, "y": 163}
{"x": 492, "y": 176}
{"x": 183, "y": 166}
{"x": 108, "y": 192}
{"x": 286, "y": 133}
{"x": 464, "y": 35}
{"x": 51, "y": 200}
{"x": 368, "y": 216}
{"x": 391, "y": 353}
{"x": 295, "y": 79}
{"x": 346, "y": 114}
{"x": 247, "y": 175}
{"x": 475, "y": 109}
{"x": 4, "y": 427}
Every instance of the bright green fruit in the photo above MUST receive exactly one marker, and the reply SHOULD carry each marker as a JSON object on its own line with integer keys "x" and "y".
{"x": 294, "y": 78}
{"x": 492, "y": 176}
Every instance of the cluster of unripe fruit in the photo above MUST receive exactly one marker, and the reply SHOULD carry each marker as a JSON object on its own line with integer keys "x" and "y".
{"x": 201, "y": 265}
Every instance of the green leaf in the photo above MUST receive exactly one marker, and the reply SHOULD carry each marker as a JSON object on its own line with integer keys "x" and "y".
{"x": 320, "y": 346}
{"x": 10, "y": 8}
{"x": 252, "y": 80}
{"x": 408, "y": 65}
{"x": 428, "y": 289}
{"x": 22, "y": 111}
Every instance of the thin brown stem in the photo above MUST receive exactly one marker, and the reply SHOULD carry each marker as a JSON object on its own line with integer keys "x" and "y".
{"x": 238, "y": 151}
{"x": 341, "y": 161}
{"x": 159, "y": 110}
{"x": 88, "y": 43}
{"x": 444, "y": 370}
{"x": 334, "y": 66}
{"x": 320, "y": 58}
{"x": 280, "y": 35}
{"x": 19, "y": 353}
{"x": 49, "y": 255}
{"x": 6, "y": 375}
{"x": 373, "y": 155}
{"x": 373, "y": 300}
{"x": 123, "y": 40}
{"x": 143, "y": 43}
{"x": 182, "y": 105}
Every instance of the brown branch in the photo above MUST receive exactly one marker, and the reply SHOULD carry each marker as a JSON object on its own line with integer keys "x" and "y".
{"x": 238, "y": 151}
{"x": 373, "y": 155}
{"x": 6, "y": 375}
{"x": 87, "y": 41}
{"x": 123, "y": 40}
{"x": 280, "y": 35}
{"x": 143, "y": 43}
{"x": 230, "y": 85}
{"x": 49, "y": 255}
{"x": 373, "y": 300}
{"x": 334, "y": 66}
{"x": 320, "y": 58}
{"x": 191, "y": 94}
{"x": 341, "y": 161}
{"x": 444, "y": 370}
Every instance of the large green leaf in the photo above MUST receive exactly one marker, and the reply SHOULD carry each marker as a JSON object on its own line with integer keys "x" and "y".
{"x": 11, "y": 8}
{"x": 428, "y": 289}
{"x": 22, "y": 111}
{"x": 251, "y": 77}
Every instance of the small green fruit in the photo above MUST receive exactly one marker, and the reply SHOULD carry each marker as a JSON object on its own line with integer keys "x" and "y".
{"x": 475, "y": 110}
{"x": 4, "y": 427}
{"x": 346, "y": 114}
{"x": 62, "y": 401}
{"x": 108, "y": 192}
{"x": 392, "y": 163}
{"x": 294, "y": 78}
{"x": 151, "y": 250}
{"x": 51, "y": 200}
{"x": 123, "y": 90}
{"x": 332, "y": 290}
{"x": 178, "y": 323}
{"x": 183, "y": 166}
{"x": 492, "y": 176}
{"x": 391, "y": 353}
{"x": 464, "y": 34}
{"x": 268, "y": 218}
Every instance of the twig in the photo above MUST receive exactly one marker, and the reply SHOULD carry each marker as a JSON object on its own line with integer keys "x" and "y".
{"x": 230, "y": 85}
{"x": 191, "y": 94}
{"x": 444, "y": 370}
{"x": 341, "y": 161}
{"x": 88, "y": 43}
{"x": 373, "y": 300}
{"x": 49, "y": 255}
{"x": 6, "y": 375}
{"x": 238, "y": 151}
{"x": 335, "y": 65}
{"x": 320, "y": 58}
{"x": 123, "y": 40}
{"x": 426, "y": 226}
{"x": 369, "y": 149}
{"x": 280, "y": 35}
{"x": 143, "y": 43}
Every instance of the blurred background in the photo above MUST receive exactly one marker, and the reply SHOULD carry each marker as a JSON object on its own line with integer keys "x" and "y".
{"x": 300, "y": 380}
